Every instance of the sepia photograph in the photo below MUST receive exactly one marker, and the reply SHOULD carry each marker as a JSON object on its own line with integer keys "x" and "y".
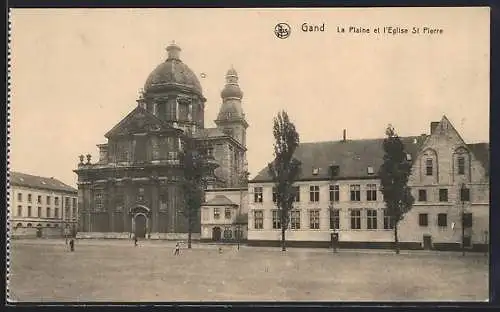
{"x": 249, "y": 155}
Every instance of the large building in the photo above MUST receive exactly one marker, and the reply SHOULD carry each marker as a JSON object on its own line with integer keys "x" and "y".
{"x": 41, "y": 206}
{"x": 338, "y": 190}
{"x": 134, "y": 186}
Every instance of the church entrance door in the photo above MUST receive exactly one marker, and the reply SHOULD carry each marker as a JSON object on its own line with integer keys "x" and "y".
{"x": 140, "y": 226}
{"x": 216, "y": 234}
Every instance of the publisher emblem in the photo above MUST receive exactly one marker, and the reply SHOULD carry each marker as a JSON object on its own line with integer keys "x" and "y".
{"x": 282, "y": 30}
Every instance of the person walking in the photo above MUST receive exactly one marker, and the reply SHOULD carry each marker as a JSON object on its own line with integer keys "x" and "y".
{"x": 72, "y": 245}
{"x": 177, "y": 249}
{"x": 135, "y": 241}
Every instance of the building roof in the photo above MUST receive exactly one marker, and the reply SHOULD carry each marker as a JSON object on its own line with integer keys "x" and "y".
{"x": 352, "y": 156}
{"x": 209, "y": 133}
{"x": 219, "y": 200}
{"x": 32, "y": 181}
{"x": 482, "y": 153}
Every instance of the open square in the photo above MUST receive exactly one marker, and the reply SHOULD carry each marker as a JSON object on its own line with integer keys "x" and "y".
{"x": 115, "y": 270}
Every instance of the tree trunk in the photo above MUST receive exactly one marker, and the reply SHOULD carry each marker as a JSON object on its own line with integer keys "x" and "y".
{"x": 189, "y": 231}
{"x": 283, "y": 240}
{"x": 396, "y": 241}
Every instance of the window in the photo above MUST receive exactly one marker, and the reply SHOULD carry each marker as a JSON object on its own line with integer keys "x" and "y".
{"x": 257, "y": 196}
{"x": 56, "y": 212}
{"x": 97, "y": 199}
{"x": 388, "y": 224}
{"x": 39, "y": 212}
{"x": 314, "y": 219}
{"x": 67, "y": 212}
{"x": 355, "y": 219}
{"x": 39, "y": 199}
{"x": 47, "y": 200}
{"x": 74, "y": 212}
{"x": 464, "y": 194}
{"x": 66, "y": 202}
{"x": 258, "y": 219}
{"x": 275, "y": 194}
{"x": 74, "y": 202}
{"x": 216, "y": 213}
{"x": 371, "y": 219}
{"x": 423, "y": 219}
{"x": 422, "y": 195}
{"x": 29, "y": 225}
{"x": 29, "y": 198}
{"x": 56, "y": 201}
{"x": 334, "y": 219}
{"x": 467, "y": 220}
{"x": 276, "y": 219}
{"x": 428, "y": 166}
{"x": 47, "y": 212}
{"x": 120, "y": 202}
{"x": 442, "y": 219}
{"x": 370, "y": 170}
{"x": 443, "y": 195}
{"x": 227, "y": 213}
{"x": 314, "y": 193}
{"x": 29, "y": 211}
{"x": 371, "y": 192}
{"x": 19, "y": 196}
{"x": 334, "y": 193}
{"x": 228, "y": 233}
{"x": 355, "y": 192}
{"x": 296, "y": 190}
{"x": 19, "y": 211}
{"x": 461, "y": 165}
{"x": 295, "y": 219}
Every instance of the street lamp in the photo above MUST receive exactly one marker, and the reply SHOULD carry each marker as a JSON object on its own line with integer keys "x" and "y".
{"x": 462, "y": 199}
{"x": 243, "y": 183}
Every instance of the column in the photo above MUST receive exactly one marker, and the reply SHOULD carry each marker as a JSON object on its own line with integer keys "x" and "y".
{"x": 176, "y": 110}
{"x": 154, "y": 207}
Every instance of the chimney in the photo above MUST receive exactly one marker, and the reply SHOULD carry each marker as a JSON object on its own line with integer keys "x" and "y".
{"x": 434, "y": 125}
{"x": 344, "y": 136}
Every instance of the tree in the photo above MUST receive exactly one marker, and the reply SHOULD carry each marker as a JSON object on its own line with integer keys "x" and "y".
{"x": 394, "y": 174}
{"x": 194, "y": 169}
{"x": 285, "y": 169}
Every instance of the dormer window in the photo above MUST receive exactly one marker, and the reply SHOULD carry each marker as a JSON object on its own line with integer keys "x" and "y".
{"x": 370, "y": 170}
{"x": 315, "y": 171}
{"x": 408, "y": 157}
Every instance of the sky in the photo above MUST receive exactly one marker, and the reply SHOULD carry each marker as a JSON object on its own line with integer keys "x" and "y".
{"x": 75, "y": 73}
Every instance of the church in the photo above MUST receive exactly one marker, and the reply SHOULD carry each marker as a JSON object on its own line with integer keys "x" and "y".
{"x": 134, "y": 186}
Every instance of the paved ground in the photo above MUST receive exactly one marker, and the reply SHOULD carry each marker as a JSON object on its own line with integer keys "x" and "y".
{"x": 112, "y": 270}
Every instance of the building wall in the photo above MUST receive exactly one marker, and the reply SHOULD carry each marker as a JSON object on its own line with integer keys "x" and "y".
{"x": 25, "y": 224}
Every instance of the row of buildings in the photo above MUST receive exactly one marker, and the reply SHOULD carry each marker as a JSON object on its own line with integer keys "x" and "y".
{"x": 134, "y": 186}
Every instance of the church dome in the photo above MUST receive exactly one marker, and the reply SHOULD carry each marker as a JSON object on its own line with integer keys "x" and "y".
{"x": 231, "y": 89}
{"x": 173, "y": 73}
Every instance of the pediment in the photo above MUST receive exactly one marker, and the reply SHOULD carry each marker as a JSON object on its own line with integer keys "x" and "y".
{"x": 138, "y": 121}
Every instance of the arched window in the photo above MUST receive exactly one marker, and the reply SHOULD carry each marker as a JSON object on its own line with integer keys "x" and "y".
{"x": 19, "y": 225}
{"x": 228, "y": 233}
{"x": 48, "y": 224}
{"x": 461, "y": 160}
{"x": 29, "y": 225}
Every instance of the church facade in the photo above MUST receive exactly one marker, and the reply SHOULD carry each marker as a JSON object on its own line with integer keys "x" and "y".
{"x": 134, "y": 187}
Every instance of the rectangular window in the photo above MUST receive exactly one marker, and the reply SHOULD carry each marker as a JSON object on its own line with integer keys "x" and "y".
{"x": 442, "y": 219}
{"x": 428, "y": 166}
{"x": 74, "y": 202}
{"x": 276, "y": 219}
{"x": 29, "y": 211}
{"x": 467, "y": 220}
{"x": 371, "y": 192}
{"x": 216, "y": 213}
{"x": 334, "y": 193}
{"x": 29, "y": 198}
{"x": 423, "y": 219}
{"x": 314, "y": 193}
{"x": 227, "y": 213}
{"x": 355, "y": 192}
{"x": 314, "y": 219}
{"x": 97, "y": 201}
{"x": 388, "y": 224}
{"x": 74, "y": 212}
{"x": 56, "y": 201}
{"x": 48, "y": 213}
{"x": 465, "y": 194}
{"x": 39, "y": 212}
{"x": 443, "y": 195}
{"x": 19, "y": 211}
{"x": 334, "y": 219}
{"x": 20, "y": 197}
{"x": 422, "y": 195}
{"x": 275, "y": 194}
{"x": 66, "y": 202}
{"x": 47, "y": 200}
{"x": 461, "y": 165}
{"x": 355, "y": 219}
{"x": 371, "y": 219}
{"x": 56, "y": 212}
{"x": 39, "y": 199}
{"x": 296, "y": 190}
{"x": 295, "y": 219}
{"x": 257, "y": 195}
{"x": 258, "y": 219}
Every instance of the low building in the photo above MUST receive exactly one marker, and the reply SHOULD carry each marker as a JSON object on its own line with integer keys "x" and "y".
{"x": 338, "y": 190}
{"x": 41, "y": 206}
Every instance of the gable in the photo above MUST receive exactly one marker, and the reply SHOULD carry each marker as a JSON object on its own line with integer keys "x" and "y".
{"x": 138, "y": 121}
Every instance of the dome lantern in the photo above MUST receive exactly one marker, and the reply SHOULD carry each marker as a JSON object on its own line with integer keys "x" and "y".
{"x": 231, "y": 89}
{"x": 173, "y": 52}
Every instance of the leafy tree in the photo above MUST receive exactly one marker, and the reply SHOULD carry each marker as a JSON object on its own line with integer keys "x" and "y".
{"x": 194, "y": 164}
{"x": 394, "y": 174}
{"x": 285, "y": 169}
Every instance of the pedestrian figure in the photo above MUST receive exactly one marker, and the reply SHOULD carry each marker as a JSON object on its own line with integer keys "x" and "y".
{"x": 135, "y": 241}
{"x": 177, "y": 249}
{"x": 72, "y": 245}
{"x": 220, "y": 250}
